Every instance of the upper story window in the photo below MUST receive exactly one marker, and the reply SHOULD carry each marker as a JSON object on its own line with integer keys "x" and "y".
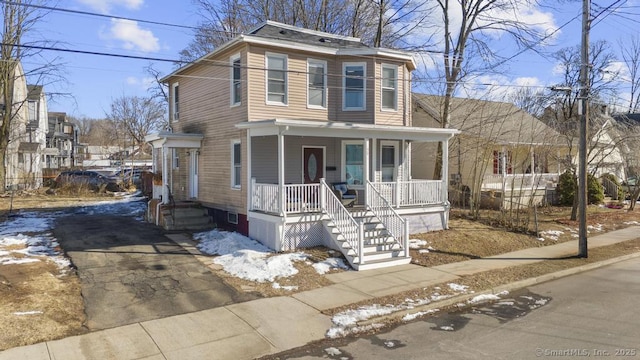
{"x": 175, "y": 101}
{"x": 276, "y": 79}
{"x": 354, "y": 86}
{"x": 316, "y": 83}
{"x": 236, "y": 82}
{"x": 33, "y": 110}
{"x": 389, "y": 86}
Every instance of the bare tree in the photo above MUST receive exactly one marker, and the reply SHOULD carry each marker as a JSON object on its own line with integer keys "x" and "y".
{"x": 134, "y": 117}
{"x": 464, "y": 29}
{"x": 19, "y": 19}
{"x": 631, "y": 57}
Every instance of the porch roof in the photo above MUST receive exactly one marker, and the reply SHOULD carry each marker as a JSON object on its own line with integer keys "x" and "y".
{"x": 343, "y": 129}
{"x": 174, "y": 140}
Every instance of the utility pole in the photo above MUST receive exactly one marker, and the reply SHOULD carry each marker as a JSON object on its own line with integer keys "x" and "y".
{"x": 584, "y": 120}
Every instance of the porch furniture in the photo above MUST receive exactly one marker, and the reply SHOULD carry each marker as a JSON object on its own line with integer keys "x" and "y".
{"x": 347, "y": 196}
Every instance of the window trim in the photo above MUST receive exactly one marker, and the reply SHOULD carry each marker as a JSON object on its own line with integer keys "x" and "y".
{"x": 383, "y": 88}
{"x": 396, "y": 157}
{"x": 343, "y": 161}
{"x": 234, "y": 185}
{"x": 268, "y": 55}
{"x": 322, "y": 63}
{"x": 175, "y": 159}
{"x": 233, "y": 95}
{"x": 175, "y": 104}
{"x": 364, "y": 86}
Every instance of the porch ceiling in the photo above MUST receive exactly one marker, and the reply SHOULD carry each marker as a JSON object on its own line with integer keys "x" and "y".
{"x": 342, "y": 129}
{"x": 174, "y": 140}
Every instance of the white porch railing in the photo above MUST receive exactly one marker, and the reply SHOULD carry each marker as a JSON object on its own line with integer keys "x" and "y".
{"x": 397, "y": 227}
{"x": 410, "y": 193}
{"x": 298, "y": 198}
{"x": 518, "y": 181}
{"x": 349, "y": 228}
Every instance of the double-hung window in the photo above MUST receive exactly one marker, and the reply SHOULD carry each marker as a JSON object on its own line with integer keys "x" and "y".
{"x": 389, "y": 96}
{"x": 388, "y": 161}
{"x": 316, "y": 83}
{"x": 175, "y": 103}
{"x": 276, "y": 79}
{"x": 236, "y": 164}
{"x": 236, "y": 82}
{"x": 354, "y": 86}
{"x": 353, "y": 162}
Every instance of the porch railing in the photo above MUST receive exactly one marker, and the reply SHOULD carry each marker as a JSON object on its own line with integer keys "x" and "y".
{"x": 298, "y": 198}
{"x": 410, "y": 193}
{"x": 345, "y": 224}
{"x": 397, "y": 227}
{"x": 518, "y": 181}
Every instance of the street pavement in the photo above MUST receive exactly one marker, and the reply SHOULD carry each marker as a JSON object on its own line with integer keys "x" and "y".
{"x": 591, "y": 315}
{"x": 268, "y": 326}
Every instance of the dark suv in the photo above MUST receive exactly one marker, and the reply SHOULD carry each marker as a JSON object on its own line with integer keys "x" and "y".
{"x": 92, "y": 179}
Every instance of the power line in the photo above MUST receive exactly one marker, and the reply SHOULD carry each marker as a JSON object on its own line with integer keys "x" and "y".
{"x": 50, "y": 8}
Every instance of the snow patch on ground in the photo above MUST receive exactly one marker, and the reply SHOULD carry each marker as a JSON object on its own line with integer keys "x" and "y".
{"x": 329, "y": 264}
{"x": 458, "y": 287}
{"x": 550, "y": 234}
{"x": 417, "y": 243}
{"x": 333, "y": 351}
{"x": 418, "y": 314}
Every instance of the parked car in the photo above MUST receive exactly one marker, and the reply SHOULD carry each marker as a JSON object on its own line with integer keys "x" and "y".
{"x": 91, "y": 179}
{"x": 127, "y": 176}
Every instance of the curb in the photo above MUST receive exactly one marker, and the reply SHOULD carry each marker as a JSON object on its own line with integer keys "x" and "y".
{"x": 436, "y": 305}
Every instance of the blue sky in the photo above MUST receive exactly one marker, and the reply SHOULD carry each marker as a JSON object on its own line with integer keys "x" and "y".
{"x": 95, "y": 80}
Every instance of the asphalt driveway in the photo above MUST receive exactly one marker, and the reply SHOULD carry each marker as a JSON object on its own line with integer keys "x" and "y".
{"x": 131, "y": 272}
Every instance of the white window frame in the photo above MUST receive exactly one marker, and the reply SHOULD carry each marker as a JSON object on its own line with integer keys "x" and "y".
{"x": 175, "y": 159}
{"x": 286, "y": 78}
{"x": 232, "y": 60}
{"x": 175, "y": 104}
{"x": 396, "y": 157}
{"x": 344, "y": 86}
{"x": 323, "y": 64}
{"x": 234, "y": 184}
{"x": 343, "y": 162}
{"x": 394, "y": 88}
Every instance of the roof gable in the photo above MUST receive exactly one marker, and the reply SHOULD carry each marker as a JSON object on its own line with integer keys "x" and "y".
{"x": 499, "y": 122}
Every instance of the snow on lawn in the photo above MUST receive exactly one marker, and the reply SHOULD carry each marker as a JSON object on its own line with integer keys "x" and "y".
{"x": 329, "y": 264}
{"x": 417, "y": 244}
{"x": 550, "y": 234}
{"x": 246, "y": 258}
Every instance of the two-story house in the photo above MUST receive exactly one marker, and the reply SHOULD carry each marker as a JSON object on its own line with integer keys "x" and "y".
{"x": 299, "y": 138}
{"x": 27, "y": 134}
{"x": 62, "y": 140}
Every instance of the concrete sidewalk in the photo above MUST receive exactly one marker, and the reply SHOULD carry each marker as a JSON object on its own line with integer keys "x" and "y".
{"x": 267, "y": 326}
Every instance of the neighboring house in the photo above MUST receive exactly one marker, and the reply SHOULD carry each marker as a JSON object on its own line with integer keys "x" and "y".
{"x": 27, "y": 135}
{"x": 628, "y": 128}
{"x": 265, "y": 124}
{"x": 108, "y": 156}
{"x": 604, "y": 154}
{"x": 62, "y": 140}
{"x": 503, "y": 151}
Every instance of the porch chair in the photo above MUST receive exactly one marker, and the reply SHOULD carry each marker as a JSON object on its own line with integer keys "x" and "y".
{"x": 347, "y": 196}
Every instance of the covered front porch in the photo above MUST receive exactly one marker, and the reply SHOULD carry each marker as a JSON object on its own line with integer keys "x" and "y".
{"x": 293, "y": 199}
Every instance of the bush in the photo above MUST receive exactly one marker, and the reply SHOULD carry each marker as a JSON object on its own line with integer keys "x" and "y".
{"x": 566, "y": 189}
{"x": 567, "y": 185}
{"x": 595, "y": 190}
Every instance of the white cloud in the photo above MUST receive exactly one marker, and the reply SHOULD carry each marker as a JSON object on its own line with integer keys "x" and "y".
{"x": 143, "y": 83}
{"x": 104, "y": 6}
{"x": 132, "y": 36}
{"x": 496, "y": 87}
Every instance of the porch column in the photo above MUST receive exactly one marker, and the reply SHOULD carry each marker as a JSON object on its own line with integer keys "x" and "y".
{"x": 374, "y": 160}
{"x": 281, "y": 173}
{"x": 503, "y": 168}
{"x": 165, "y": 175}
{"x": 533, "y": 163}
{"x": 367, "y": 168}
{"x": 445, "y": 171}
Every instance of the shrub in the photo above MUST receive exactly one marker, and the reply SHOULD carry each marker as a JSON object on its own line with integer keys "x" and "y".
{"x": 566, "y": 188}
{"x": 567, "y": 185}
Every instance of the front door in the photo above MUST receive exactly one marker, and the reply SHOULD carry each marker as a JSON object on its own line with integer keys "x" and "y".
{"x": 312, "y": 164}
{"x": 193, "y": 173}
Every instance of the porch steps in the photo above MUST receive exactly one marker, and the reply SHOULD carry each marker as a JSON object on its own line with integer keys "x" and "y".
{"x": 186, "y": 217}
{"x": 379, "y": 248}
